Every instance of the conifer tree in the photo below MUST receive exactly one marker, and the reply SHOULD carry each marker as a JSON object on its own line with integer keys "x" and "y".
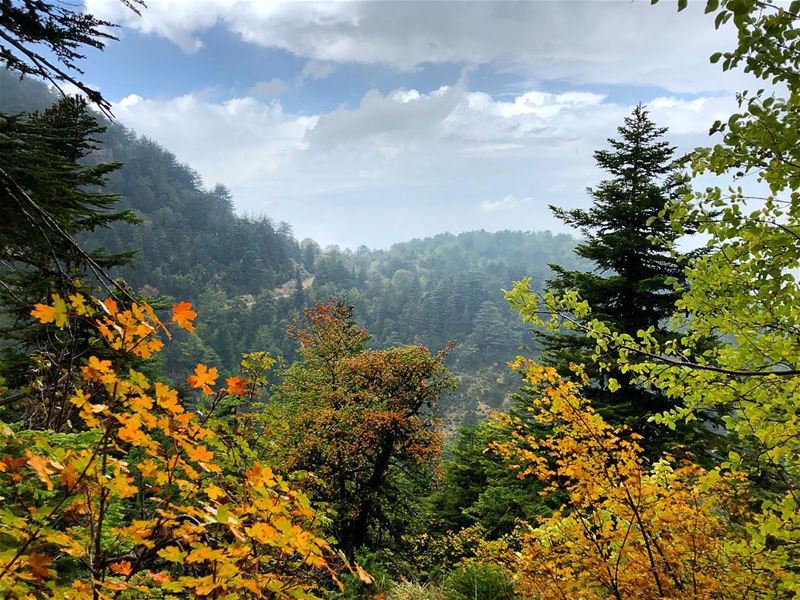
{"x": 633, "y": 250}
{"x": 50, "y": 195}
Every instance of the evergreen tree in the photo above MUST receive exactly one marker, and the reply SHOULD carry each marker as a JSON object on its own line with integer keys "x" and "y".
{"x": 49, "y": 195}
{"x": 633, "y": 250}
{"x": 476, "y": 487}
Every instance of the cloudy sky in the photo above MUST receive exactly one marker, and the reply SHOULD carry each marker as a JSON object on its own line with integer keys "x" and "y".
{"x": 375, "y": 122}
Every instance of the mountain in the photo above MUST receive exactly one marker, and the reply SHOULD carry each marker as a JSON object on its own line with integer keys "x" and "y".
{"x": 249, "y": 277}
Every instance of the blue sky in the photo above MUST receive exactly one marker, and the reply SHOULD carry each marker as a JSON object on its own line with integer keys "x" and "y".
{"x": 375, "y": 122}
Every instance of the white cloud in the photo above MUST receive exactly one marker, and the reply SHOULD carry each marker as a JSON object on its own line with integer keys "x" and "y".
{"x": 585, "y": 42}
{"x": 234, "y": 142}
{"x": 316, "y": 70}
{"x": 510, "y": 202}
{"x": 444, "y": 151}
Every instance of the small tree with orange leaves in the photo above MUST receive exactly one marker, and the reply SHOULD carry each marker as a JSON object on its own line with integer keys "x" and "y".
{"x": 626, "y": 530}
{"x": 146, "y": 497}
{"x": 362, "y": 421}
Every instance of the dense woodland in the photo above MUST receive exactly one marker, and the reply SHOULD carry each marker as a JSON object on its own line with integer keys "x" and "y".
{"x": 194, "y": 403}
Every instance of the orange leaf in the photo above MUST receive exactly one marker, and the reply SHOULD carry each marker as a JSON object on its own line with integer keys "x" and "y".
{"x": 42, "y": 466}
{"x": 56, "y": 314}
{"x": 168, "y": 398}
{"x": 44, "y": 313}
{"x": 110, "y": 306}
{"x": 203, "y": 378}
{"x": 236, "y": 386}
{"x": 183, "y": 315}
{"x": 160, "y": 578}
{"x": 98, "y": 370}
{"x": 199, "y": 453}
{"x": 214, "y": 492}
{"x": 121, "y": 568}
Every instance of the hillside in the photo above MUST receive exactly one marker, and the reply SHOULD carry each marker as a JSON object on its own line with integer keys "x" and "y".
{"x": 242, "y": 273}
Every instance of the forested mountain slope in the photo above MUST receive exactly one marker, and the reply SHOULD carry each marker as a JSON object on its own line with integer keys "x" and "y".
{"x": 249, "y": 277}
{"x": 444, "y": 288}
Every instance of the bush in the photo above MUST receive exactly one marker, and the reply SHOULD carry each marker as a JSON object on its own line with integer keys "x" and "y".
{"x": 479, "y": 582}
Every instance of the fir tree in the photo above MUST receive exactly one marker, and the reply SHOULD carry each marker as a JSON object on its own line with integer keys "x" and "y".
{"x": 633, "y": 250}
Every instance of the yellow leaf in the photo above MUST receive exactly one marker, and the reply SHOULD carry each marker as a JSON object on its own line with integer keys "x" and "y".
{"x": 172, "y": 554}
{"x": 214, "y": 492}
{"x": 78, "y": 302}
{"x": 263, "y": 533}
{"x": 363, "y": 575}
{"x": 199, "y": 453}
{"x": 168, "y": 399}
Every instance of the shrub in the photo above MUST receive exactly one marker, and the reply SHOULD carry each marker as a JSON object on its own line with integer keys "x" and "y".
{"x": 478, "y": 582}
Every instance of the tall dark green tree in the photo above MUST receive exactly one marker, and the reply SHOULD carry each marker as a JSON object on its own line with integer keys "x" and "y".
{"x": 50, "y": 194}
{"x": 634, "y": 253}
{"x": 477, "y": 487}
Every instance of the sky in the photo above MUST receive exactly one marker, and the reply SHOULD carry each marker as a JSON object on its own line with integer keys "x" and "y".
{"x": 369, "y": 123}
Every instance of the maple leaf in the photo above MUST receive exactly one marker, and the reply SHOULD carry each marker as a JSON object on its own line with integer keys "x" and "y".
{"x": 110, "y": 306}
{"x": 12, "y": 465}
{"x": 122, "y": 484}
{"x": 236, "y": 386}
{"x": 42, "y": 466}
{"x": 203, "y": 378}
{"x": 122, "y": 567}
{"x": 56, "y": 314}
{"x": 78, "y": 302}
{"x": 39, "y": 565}
{"x": 214, "y": 492}
{"x": 183, "y": 315}
{"x": 199, "y": 453}
{"x": 160, "y": 578}
{"x": 98, "y": 370}
{"x": 172, "y": 554}
{"x": 168, "y": 398}
{"x": 44, "y": 313}
{"x": 264, "y": 534}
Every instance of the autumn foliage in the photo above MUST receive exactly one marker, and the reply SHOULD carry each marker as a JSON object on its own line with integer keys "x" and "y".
{"x": 624, "y": 529}
{"x": 146, "y": 497}
{"x": 359, "y": 420}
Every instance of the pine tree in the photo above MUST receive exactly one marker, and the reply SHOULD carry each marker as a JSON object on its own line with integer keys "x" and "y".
{"x": 633, "y": 250}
